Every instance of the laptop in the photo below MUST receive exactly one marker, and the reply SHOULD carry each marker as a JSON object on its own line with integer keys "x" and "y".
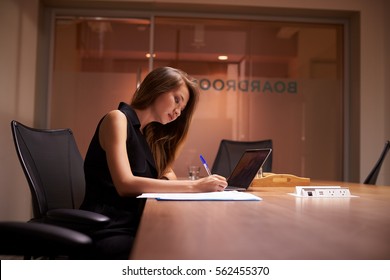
{"x": 246, "y": 169}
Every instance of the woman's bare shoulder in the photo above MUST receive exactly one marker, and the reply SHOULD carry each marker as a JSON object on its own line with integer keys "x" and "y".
{"x": 114, "y": 118}
{"x": 115, "y": 114}
{"x": 112, "y": 127}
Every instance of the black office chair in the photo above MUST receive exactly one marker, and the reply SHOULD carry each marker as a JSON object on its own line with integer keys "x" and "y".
{"x": 53, "y": 167}
{"x": 373, "y": 175}
{"x": 230, "y": 152}
{"x": 43, "y": 241}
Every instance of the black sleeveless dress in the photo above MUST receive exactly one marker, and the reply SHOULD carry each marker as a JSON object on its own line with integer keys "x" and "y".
{"x": 115, "y": 241}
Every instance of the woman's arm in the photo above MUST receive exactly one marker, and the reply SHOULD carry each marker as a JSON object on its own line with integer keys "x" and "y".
{"x": 112, "y": 137}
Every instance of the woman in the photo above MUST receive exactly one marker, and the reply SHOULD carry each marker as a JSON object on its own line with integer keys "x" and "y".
{"x": 133, "y": 149}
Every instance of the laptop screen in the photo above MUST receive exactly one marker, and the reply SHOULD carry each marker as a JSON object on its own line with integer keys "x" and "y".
{"x": 247, "y": 167}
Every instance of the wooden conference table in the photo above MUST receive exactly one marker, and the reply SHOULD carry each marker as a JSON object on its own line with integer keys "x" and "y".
{"x": 280, "y": 226}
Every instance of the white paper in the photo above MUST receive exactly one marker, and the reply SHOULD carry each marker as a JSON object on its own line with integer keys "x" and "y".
{"x": 218, "y": 196}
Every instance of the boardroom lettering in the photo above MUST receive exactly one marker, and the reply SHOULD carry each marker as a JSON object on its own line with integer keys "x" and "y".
{"x": 247, "y": 86}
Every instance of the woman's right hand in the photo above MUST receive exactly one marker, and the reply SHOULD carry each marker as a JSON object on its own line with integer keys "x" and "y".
{"x": 211, "y": 183}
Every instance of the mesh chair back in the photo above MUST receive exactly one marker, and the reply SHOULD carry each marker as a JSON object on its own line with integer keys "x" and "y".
{"x": 373, "y": 175}
{"x": 53, "y": 167}
{"x": 230, "y": 152}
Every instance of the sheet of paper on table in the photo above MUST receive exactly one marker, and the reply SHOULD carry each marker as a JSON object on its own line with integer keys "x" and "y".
{"x": 216, "y": 196}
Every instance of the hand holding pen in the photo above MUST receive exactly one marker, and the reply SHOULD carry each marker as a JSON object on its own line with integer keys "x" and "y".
{"x": 218, "y": 182}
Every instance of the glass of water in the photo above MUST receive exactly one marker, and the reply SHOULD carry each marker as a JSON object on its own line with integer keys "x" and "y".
{"x": 193, "y": 172}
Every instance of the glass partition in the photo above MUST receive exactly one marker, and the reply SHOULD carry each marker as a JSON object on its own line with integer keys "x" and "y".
{"x": 262, "y": 80}
{"x": 98, "y": 62}
{"x": 259, "y": 80}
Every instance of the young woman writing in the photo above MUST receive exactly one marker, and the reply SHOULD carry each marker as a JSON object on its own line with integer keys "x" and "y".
{"x": 132, "y": 152}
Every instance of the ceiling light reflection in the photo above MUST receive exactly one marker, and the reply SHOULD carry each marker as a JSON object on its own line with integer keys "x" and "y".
{"x": 222, "y": 57}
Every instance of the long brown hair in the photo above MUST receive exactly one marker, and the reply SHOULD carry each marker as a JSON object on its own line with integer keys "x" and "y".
{"x": 165, "y": 140}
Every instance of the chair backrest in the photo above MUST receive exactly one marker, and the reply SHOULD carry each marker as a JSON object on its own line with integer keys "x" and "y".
{"x": 230, "y": 152}
{"x": 53, "y": 167}
{"x": 373, "y": 175}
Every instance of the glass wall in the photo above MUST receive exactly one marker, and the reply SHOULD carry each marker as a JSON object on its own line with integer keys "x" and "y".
{"x": 98, "y": 62}
{"x": 259, "y": 80}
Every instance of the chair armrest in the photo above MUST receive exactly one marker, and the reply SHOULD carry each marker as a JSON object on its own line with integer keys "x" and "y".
{"x": 77, "y": 219}
{"x": 37, "y": 239}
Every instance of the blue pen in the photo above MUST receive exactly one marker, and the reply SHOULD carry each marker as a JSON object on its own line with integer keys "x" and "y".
{"x": 205, "y": 165}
